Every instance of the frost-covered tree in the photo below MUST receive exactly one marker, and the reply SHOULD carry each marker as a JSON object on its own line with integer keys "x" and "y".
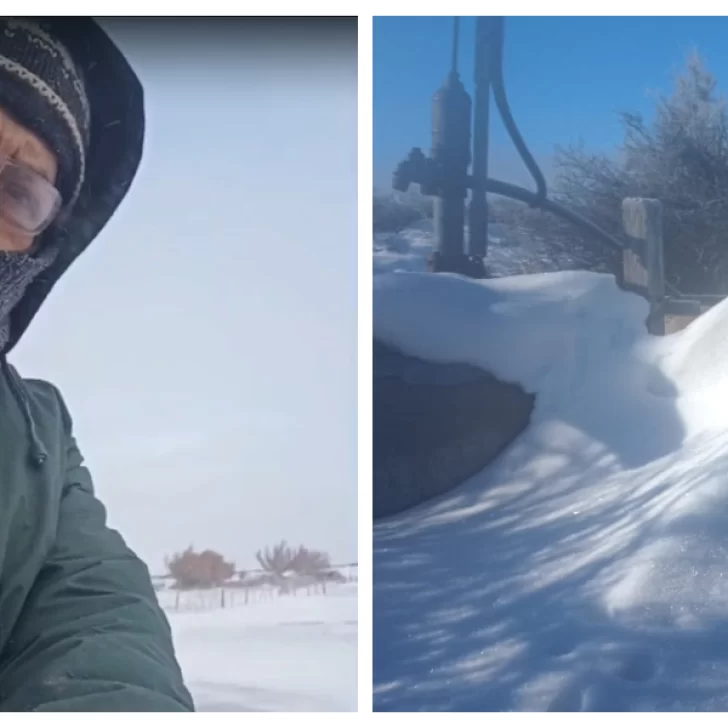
{"x": 393, "y": 211}
{"x": 679, "y": 156}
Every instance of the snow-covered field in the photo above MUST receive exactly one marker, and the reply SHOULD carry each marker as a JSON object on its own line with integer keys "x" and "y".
{"x": 587, "y": 568}
{"x": 276, "y": 654}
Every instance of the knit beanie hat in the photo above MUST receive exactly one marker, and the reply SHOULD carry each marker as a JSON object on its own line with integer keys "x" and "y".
{"x": 43, "y": 89}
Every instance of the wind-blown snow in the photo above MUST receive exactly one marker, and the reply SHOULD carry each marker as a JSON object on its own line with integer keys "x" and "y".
{"x": 587, "y": 568}
{"x": 287, "y": 654}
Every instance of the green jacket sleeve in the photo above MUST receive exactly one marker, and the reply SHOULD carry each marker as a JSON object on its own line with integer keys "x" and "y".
{"x": 91, "y": 636}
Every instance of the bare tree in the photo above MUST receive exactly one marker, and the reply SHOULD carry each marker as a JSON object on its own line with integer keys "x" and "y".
{"x": 310, "y": 563}
{"x": 276, "y": 561}
{"x": 291, "y": 569}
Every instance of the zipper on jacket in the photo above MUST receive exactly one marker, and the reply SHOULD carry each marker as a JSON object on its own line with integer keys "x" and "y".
{"x": 37, "y": 453}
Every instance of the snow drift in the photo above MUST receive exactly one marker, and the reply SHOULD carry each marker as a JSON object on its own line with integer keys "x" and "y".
{"x": 586, "y": 568}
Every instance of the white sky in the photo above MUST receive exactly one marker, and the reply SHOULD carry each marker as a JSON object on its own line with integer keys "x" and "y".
{"x": 206, "y": 342}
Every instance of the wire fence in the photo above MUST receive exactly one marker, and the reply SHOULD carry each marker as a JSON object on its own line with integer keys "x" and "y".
{"x": 250, "y": 587}
{"x": 206, "y": 600}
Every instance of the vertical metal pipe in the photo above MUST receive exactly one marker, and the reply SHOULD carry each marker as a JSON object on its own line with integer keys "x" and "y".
{"x": 478, "y": 240}
{"x": 455, "y": 43}
{"x": 450, "y": 155}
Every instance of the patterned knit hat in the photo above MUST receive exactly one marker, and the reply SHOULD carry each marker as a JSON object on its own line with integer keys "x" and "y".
{"x": 42, "y": 87}
{"x": 64, "y": 79}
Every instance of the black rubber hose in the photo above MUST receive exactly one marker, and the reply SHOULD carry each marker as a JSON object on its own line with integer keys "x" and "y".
{"x": 501, "y": 101}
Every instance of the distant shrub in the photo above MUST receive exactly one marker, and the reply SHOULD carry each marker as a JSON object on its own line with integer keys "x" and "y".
{"x": 393, "y": 213}
{"x": 199, "y": 570}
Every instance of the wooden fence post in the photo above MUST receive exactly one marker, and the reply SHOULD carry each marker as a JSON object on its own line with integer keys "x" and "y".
{"x": 643, "y": 258}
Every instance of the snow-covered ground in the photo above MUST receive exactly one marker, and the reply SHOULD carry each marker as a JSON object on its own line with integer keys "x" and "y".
{"x": 274, "y": 654}
{"x": 587, "y": 568}
{"x": 409, "y": 249}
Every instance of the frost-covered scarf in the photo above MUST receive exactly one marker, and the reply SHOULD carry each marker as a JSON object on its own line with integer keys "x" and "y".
{"x": 17, "y": 272}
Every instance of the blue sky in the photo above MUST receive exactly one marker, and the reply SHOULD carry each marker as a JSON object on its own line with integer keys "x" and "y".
{"x": 565, "y": 77}
{"x": 206, "y": 341}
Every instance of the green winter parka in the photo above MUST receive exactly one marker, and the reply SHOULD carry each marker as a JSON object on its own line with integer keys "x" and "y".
{"x": 80, "y": 625}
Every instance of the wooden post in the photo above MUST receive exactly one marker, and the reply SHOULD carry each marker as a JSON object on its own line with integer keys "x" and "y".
{"x": 643, "y": 259}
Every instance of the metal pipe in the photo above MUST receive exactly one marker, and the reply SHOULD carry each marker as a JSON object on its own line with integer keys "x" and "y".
{"x": 455, "y": 43}
{"x": 478, "y": 239}
{"x": 450, "y": 158}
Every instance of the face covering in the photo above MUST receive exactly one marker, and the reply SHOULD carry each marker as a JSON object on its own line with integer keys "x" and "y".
{"x": 17, "y": 272}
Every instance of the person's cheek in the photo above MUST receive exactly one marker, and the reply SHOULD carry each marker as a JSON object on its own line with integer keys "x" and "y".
{"x": 14, "y": 242}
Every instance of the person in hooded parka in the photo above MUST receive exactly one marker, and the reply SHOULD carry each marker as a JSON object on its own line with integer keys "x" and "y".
{"x": 80, "y": 625}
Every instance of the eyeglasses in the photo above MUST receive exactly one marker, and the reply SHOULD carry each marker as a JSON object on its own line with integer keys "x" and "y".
{"x": 28, "y": 201}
